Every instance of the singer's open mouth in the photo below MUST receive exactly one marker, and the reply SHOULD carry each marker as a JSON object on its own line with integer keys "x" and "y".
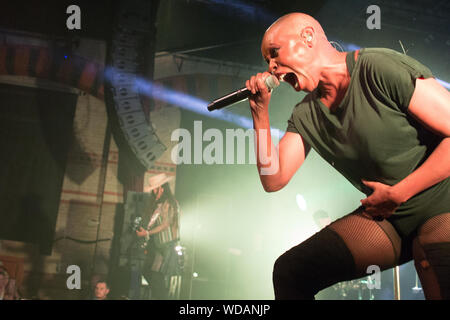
{"x": 291, "y": 78}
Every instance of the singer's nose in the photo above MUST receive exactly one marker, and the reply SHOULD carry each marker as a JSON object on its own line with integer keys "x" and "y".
{"x": 272, "y": 66}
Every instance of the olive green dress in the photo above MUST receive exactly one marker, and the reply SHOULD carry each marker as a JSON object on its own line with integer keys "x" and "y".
{"x": 371, "y": 136}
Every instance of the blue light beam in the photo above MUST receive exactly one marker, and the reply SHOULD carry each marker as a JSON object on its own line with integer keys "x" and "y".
{"x": 185, "y": 101}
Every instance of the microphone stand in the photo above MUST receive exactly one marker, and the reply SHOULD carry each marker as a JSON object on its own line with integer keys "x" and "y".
{"x": 417, "y": 289}
{"x": 396, "y": 283}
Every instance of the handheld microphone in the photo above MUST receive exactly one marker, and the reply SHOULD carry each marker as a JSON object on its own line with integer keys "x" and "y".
{"x": 239, "y": 95}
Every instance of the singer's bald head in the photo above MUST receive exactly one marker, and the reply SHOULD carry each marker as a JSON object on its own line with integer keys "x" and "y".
{"x": 294, "y": 26}
{"x": 294, "y": 23}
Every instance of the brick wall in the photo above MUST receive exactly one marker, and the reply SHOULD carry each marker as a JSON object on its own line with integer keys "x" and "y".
{"x": 89, "y": 195}
{"x": 86, "y": 211}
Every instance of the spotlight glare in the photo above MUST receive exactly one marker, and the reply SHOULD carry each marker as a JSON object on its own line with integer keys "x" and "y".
{"x": 159, "y": 92}
{"x": 301, "y": 202}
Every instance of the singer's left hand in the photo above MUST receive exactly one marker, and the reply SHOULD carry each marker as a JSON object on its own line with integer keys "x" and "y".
{"x": 383, "y": 202}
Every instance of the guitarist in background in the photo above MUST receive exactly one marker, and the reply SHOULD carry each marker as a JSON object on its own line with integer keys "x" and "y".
{"x": 161, "y": 235}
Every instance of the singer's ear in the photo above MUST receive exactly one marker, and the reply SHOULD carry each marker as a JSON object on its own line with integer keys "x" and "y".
{"x": 308, "y": 36}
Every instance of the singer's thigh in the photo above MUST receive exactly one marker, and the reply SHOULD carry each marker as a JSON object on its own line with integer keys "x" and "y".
{"x": 342, "y": 251}
{"x": 370, "y": 242}
{"x": 431, "y": 250}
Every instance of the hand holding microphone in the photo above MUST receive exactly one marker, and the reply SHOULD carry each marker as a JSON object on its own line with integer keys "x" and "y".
{"x": 262, "y": 83}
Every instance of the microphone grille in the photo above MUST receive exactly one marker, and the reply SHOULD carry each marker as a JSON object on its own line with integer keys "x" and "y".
{"x": 272, "y": 82}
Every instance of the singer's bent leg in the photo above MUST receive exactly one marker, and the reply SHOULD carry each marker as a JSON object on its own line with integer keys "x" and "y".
{"x": 431, "y": 251}
{"x": 342, "y": 251}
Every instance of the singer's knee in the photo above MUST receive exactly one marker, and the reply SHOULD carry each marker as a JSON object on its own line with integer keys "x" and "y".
{"x": 291, "y": 278}
{"x": 318, "y": 262}
{"x": 281, "y": 270}
{"x": 283, "y": 280}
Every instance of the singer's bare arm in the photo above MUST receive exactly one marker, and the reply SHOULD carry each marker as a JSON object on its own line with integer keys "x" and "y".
{"x": 276, "y": 165}
{"x": 276, "y": 170}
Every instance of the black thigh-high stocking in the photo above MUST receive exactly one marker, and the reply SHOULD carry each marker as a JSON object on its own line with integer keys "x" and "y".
{"x": 340, "y": 252}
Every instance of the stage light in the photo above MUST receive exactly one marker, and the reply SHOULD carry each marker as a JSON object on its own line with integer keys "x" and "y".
{"x": 301, "y": 202}
{"x": 246, "y": 10}
{"x": 156, "y": 91}
{"x": 443, "y": 83}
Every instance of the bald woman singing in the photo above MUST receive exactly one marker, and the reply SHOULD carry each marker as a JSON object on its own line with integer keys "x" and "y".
{"x": 383, "y": 121}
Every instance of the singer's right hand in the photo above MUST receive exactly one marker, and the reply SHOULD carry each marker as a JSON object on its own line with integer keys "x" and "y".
{"x": 260, "y": 97}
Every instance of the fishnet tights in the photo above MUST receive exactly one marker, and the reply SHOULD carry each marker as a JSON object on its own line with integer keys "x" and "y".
{"x": 435, "y": 230}
{"x": 370, "y": 242}
{"x": 431, "y": 250}
{"x": 377, "y": 243}
{"x": 343, "y": 251}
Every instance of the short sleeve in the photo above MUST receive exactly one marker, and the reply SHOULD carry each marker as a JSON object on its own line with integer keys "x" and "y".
{"x": 291, "y": 125}
{"x": 395, "y": 74}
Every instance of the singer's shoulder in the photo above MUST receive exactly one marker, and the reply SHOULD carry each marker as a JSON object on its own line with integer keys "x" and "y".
{"x": 307, "y": 102}
{"x": 390, "y": 64}
{"x": 303, "y": 114}
{"x": 307, "y": 106}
